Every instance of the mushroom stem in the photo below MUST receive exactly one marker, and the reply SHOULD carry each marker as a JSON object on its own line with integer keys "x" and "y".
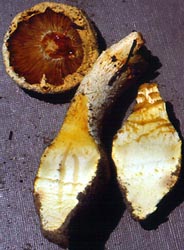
{"x": 113, "y": 72}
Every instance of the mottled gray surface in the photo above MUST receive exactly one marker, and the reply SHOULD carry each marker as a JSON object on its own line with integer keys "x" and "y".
{"x": 35, "y": 122}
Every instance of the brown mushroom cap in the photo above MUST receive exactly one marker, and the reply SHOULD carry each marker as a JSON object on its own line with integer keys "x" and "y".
{"x": 50, "y": 47}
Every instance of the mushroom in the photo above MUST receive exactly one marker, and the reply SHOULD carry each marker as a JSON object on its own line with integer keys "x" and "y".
{"x": 75, "y": 166}
{"x": 50, "y": 47}
{"x": 147, "y": 153}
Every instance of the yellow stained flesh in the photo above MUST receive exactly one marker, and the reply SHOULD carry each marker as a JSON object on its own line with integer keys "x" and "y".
{"x": 147, "y": 153}
{"x": 67, "y": 166}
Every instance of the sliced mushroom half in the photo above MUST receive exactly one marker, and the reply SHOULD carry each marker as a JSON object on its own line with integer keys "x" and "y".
{"x": 147, "y": 153}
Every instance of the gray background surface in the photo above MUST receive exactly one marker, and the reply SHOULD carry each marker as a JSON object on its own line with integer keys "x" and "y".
{"x": 34, "y": 123}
